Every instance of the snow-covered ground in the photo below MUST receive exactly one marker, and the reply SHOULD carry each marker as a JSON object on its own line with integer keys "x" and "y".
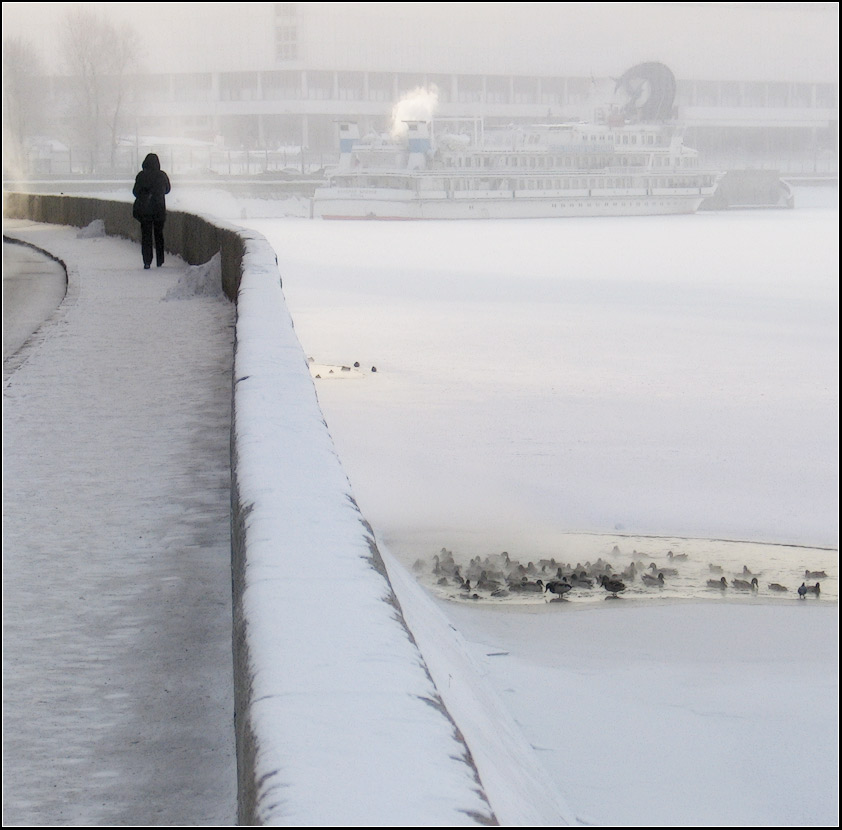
{"x": 117, "y": 681}
{"x": 651, "y": 377}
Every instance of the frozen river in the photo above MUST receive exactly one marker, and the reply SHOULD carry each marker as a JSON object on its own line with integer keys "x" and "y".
{"x": 651, "y": 376}
{"x": 606, "y": 389}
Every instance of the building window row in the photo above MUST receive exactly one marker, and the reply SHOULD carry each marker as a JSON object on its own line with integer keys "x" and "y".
{"x": 463, "y": 89}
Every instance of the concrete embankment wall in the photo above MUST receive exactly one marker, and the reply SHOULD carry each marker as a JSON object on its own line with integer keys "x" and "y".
{"x": 194, "y": 238}
{"x": 305, "y": 567}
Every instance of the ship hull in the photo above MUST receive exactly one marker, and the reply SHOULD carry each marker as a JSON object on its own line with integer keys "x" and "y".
{"x": 335, "y": 204}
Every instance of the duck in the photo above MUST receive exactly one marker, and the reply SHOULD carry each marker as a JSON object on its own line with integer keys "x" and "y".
{"x": 808, "y": 589}
{"x": 485, "y": 583}
{"x": 815, "y": 575}
{"x": 778, "y": 587}
{"x": 665, "y": 571}
{"x": 613, "y": 586}
{"x": 526, "y": 586}
{"x": 444, "y": 564}
{"x": 718, "y": 583}
{"x": 498, "y": 562}
{"x": 678, "y": 557}
{"x": 648, "y": 579}
{"x": 743, "y": 585}
{"x": 581, "y": 580}
{"x": 715, "y": 569}
{"x": 747, "y": 572}
{"x": 559, "y": 587}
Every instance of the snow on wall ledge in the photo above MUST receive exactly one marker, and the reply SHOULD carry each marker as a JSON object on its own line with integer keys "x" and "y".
{"x": 339, "y": 722}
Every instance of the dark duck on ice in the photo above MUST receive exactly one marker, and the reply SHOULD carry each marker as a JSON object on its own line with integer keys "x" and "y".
{"x": 559, "y": 587}
{"x": 805, "y": 589}
{"x": 613, "y": 586}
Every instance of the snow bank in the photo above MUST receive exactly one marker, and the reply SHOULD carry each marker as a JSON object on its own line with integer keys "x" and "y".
{"x": 199, "y": 281}
{"x": 94, "y": 230}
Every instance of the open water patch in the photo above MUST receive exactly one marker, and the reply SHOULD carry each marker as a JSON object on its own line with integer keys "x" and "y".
{"x": 647, "y": 567}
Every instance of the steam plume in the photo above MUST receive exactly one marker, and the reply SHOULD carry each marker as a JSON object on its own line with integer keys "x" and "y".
{"x": 417, "y": 105}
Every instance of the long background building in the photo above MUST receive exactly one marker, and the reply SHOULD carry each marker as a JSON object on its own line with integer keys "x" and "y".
{"x": 757, "y": 83}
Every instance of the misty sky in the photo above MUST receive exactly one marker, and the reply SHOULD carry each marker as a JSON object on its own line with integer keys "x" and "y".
{"x": 745, "y": 41}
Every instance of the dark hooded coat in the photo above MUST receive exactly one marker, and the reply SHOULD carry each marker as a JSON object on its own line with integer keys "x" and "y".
{"x": 150, "y": 187}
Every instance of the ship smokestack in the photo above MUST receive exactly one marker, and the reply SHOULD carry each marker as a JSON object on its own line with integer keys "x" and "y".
{"x": 349, "y": 134}
{"x": 418, "y": 138}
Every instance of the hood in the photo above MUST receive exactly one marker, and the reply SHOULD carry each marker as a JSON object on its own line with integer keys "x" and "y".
{"x": 151, "y": 162}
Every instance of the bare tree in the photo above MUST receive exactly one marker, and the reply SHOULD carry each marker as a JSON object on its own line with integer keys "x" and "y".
{"x": 22, "y": 116}
{"x": 99, "y": 56}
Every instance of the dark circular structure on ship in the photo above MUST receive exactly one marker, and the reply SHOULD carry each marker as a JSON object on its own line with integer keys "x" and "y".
{"x": 650, "y": 88}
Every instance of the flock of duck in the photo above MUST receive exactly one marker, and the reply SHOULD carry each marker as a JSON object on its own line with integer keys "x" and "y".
{"x": 753, "y": 585}
{"x": 499, "y": 575}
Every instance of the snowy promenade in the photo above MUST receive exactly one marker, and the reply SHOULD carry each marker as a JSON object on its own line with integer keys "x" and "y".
{"x": 118, "y": 693}
{"x": 116, "y": 545}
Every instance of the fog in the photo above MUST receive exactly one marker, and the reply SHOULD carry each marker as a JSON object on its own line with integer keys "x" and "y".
{"x": 708, "y": 41}
{"x": 758, "y": 82}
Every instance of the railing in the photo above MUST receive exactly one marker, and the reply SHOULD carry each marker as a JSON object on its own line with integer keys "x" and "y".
{"x": 201, "y": 161}
{"x": 198, "y": 161}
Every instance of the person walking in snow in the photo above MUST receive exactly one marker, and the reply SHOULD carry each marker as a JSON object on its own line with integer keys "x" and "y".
{"x": 151, "y": 185}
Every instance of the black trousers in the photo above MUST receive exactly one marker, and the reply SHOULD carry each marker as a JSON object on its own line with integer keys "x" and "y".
{"x": 152, "y": 229}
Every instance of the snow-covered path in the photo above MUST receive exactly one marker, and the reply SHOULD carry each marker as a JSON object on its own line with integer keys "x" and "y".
{"x": 116, "y": 548}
